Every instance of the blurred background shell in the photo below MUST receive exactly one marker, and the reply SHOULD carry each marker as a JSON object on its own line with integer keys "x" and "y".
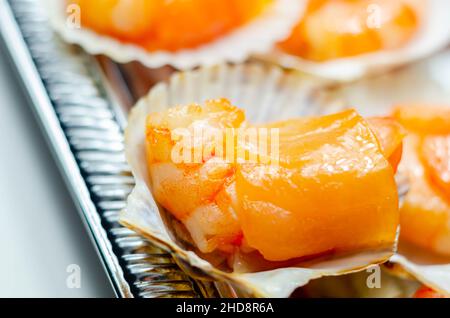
{"x": 432, "y": 35}
{"x": 257, "y": 36}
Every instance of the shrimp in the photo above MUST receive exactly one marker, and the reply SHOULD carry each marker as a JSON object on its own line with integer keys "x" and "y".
{"x": 333, "y": 29}
{"x": 277, "y": 208}
{"x": 195, "y": 192}
{"x": 156, "y": 24}
{"x": 425, "y": 214}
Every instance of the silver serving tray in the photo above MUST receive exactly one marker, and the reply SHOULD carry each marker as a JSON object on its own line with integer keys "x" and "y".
{"x": 81, "y": 103}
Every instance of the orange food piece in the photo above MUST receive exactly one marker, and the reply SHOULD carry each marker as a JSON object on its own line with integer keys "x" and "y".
{"x": 195, "y": 192}
{"x": 126, "y": 20}
{"x": 333, "y": 191}
{"x": 167, "y": 25}
{"x": 424, "y": 119}
{"x": 276, "y": 208}
{"x": 426, "y": 292}
{"x": 435, "y": 151}
{"x": 425, "y": 213}
{"x": 332, "y": 29}
{"x": 390, "y": 134}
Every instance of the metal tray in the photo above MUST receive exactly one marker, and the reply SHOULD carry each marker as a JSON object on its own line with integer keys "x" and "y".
{"x": 81, "y": 103}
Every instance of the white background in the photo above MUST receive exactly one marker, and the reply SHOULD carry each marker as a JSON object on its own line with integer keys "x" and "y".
{"x": 40, "y": 230}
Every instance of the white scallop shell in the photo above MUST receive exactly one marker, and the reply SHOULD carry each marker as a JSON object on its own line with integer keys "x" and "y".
{"x": 257, "y": 36}
{"x": 266, "y": 93}
{"x": 375, "y": 283}
{"x": 433, "y": 36}
{"x": 424, "y": 82}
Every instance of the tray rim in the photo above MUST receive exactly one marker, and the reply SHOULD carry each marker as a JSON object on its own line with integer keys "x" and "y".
{"x": 28, "y": 75}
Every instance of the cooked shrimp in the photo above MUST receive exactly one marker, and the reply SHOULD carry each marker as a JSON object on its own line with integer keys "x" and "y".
{"x": 167, "y": 25}
{"x": 195, "y": 193}
{"x": 277, "y": 210}
{"x": 333, "y": 29}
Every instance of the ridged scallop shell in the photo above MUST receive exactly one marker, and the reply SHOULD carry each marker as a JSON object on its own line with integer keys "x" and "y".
{"x": 257, "y": 36}
{"x": 266, "y": 93}
{"x": 433, "y": 36}
{"x": 373, "y": 283}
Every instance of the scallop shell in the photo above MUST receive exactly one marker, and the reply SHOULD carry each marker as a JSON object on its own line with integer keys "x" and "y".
{"x": 424, "y": 82}
{"x": 433, "y": 36}
{"x": 375, "y": 283}
{"x": 257, "y": 36}
{"x": 266, "y": 93}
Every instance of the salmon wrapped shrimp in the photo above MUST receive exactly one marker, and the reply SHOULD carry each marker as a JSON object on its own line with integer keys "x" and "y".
{"x": 267, "y": 197}
{"x": 330, "y": 190}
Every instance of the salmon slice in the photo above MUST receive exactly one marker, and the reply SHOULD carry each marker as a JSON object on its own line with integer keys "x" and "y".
{"x": 333, "y": 191}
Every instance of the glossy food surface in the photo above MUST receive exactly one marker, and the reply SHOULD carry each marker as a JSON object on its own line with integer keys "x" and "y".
{"x": 194, "y": 190}
{"x": 425, "y": 214}
{"x": 277, "y": 207}
{"x": 334, "y": 29}
{"x": 424, "y": 119}
{"x": 390, "y": 134}
{"x": 167, "y": 25}
{"x": 333, "y": 191}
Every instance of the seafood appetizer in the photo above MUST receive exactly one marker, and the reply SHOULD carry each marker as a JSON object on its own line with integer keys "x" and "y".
{"x": 181, "y": 33}
{"x": 424, "y": 245}
{"x": 422, "y": 252}
{"x": 276, "y": 208}
{"x": 346, "y": 39}
{"x": 424, "y": 249}
{"x": 425, "y": 213}
{"x": 243, "y": 201}
{"x": 338, "y": 29}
